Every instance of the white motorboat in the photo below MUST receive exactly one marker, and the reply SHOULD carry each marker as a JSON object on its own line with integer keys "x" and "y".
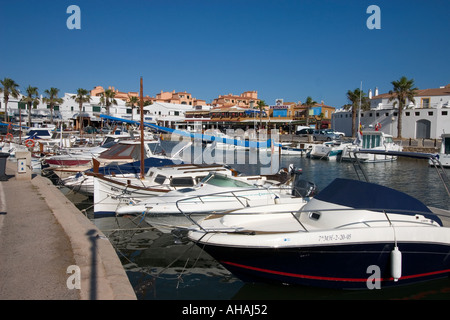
{"x": 330, "y": 150}
{"x": 444, "y": 152}
{"x": 372, "y": 140}
{"x": 113, "y": 192}
{"x": 295, "y": 149}
{"x": 352, "y": 235}
{"x": 217, "y": 193}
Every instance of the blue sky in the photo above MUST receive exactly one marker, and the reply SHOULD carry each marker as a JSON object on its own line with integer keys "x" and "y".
{"x": 283, "y": 49}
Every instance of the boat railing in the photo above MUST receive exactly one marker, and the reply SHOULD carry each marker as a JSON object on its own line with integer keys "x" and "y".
{"x": 386, "y": 218}
{"x": 232, "y": 194}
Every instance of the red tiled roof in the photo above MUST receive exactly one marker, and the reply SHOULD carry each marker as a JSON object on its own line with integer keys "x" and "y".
{"x": 444, "y": 91}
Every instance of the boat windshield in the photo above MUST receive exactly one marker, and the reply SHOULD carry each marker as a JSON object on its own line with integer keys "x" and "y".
{"x": 371, "y": 140}
{"x": 224, "y": 181}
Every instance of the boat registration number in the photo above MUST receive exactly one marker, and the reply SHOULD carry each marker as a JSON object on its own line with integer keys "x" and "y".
{"x": 335, "y": 237}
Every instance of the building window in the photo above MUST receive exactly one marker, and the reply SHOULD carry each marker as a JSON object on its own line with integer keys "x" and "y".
{"x": 407, "y": 114}
{"x": 430, "y": 113}
{"x": 444, "y": 113}
{"x": 425, "y": 102}
{"x": 417, "y": 113}
{"x": 96, "y": 109}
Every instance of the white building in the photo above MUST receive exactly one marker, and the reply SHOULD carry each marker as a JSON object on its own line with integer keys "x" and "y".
{"x": 169, "y": 114}
{"x": 166, "y": 114}
{"x": 427, "y": 118}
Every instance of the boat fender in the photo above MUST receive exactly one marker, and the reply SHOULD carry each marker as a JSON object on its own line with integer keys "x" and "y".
{"x": 276, "y": 199}
{"x": 396, "y": 263}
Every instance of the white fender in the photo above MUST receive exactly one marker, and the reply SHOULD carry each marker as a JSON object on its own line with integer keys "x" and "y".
{"x": 396, "y": 263}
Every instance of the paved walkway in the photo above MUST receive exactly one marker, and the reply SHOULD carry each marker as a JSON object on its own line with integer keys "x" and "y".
{"x": 44, "y": 238}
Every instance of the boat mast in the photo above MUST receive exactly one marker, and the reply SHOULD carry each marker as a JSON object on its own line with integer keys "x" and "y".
{"x": 142, "y": 130}
{"x": 359, "y": 113}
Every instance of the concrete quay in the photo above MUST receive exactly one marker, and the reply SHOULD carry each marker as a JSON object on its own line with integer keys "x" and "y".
{"x": 49, "y": 250}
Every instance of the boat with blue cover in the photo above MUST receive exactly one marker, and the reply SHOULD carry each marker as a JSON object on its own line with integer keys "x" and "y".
{"x": 351, "y": 235}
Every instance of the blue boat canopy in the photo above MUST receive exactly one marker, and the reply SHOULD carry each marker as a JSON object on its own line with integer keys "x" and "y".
{"x": 365, "y": 195}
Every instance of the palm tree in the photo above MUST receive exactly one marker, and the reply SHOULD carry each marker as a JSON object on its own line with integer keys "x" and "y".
{"x": 31, "y": 99}
{"x": 107, "y": 98}
{"x": 132, "y": 102}
{"x": 309, "y": 104}
{"x": 403, "y": 90}
{"x": 261, "y": 104}
{"x": 9, "y": 89}
{"x": 355, "y": 97}
{"x": 52, "y": 99}
{"x": 81, "y": 97}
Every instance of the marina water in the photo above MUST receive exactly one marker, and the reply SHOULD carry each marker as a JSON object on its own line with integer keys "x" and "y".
{"x": 160, "y": 267}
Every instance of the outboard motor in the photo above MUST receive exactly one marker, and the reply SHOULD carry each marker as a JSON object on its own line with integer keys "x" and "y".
{"x": 301, "y": 187}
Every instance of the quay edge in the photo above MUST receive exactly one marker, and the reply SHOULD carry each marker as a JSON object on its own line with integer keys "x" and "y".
{"x": 102, "y": 276}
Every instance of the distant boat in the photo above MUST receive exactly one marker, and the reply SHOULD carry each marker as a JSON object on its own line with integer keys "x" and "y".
{"x": 74, "y": 157}
{"x": 122, "y": 152}
{"x": 330, "y": 150}
{"x": 82, "y": 181}
{"x": 444, "y": 152}
{"x": 372, "y": 140}
{"x": 294, "y": 150}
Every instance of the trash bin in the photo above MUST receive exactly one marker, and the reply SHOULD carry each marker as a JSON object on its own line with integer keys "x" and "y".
{"x": 3, "y": 157}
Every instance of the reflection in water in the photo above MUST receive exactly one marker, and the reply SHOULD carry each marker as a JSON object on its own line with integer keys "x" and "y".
{"x": 160, "y": 267}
